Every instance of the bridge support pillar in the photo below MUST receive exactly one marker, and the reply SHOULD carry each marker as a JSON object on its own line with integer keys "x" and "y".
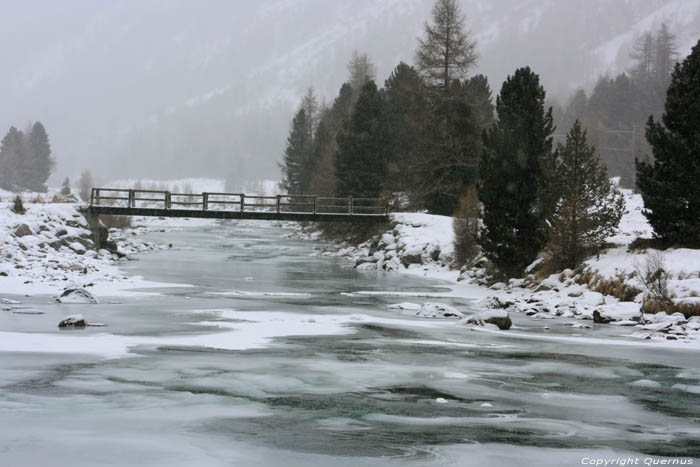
{"x": 100, "y": 233}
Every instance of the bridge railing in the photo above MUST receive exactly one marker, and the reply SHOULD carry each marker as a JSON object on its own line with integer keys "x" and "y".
{"x": 213, "y": 201}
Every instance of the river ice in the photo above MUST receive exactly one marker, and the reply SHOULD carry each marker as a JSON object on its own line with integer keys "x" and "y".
{"x": 276, "y": 357}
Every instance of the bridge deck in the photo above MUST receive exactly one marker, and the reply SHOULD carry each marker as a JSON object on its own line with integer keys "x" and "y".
{"x": 125, "y": 202}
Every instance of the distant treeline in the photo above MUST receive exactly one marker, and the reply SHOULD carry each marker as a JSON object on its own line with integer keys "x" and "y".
{"x": 25, "y": 159}
{"x": 432, "y": 139}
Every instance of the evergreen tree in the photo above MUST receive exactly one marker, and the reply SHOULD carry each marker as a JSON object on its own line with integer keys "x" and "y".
{"x": 406, "y": 113}
{"x": 512, "y": 189}
{"x": 480, "y": 101}
{"x": 446, "y": 52}
{"x": 11, "y": 160}
{"x": 310, "y": 105}
{"x": 449, "y": 160}
{"x": 669, "y": 183}
{"x": 296, "y": 154}
{"x": 588, "y": 208}
{"x": 322, "y": 178}
{"x": 65, "y": 188}
{"x": 39, "y": 162}
{"x": 362, "y": 147}
{"x": 86, "y": 184}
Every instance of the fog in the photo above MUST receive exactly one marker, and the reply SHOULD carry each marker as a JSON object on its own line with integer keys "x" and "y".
{"x": 175, "y": 88}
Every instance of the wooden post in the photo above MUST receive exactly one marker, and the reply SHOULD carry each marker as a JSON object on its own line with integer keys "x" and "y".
{"x": 131, "y": 202}
{"x": 279, "y": 200}
{"x": 242, "y": 202}
{"x": 386, "y": 207}
{"x": 97, "y": 196}
{"x": 314, "y": 205}
{"x": 205, "y": 201}
{"x": 350, "y": 202}
{"x": 168, "y": 200}
{"x": 92, "y": 197}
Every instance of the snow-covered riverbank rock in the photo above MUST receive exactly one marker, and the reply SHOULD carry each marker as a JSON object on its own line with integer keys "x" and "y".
{"x": 438, "y": 310}
{"x": 499, "y": 318}
{"x": 77, "y": 296}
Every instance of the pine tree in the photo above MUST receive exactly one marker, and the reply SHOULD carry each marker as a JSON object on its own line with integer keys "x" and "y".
{"x": 39, "y": 161}
{"x": 669, "y": 183}
{"x": 65, "y": 188}
{"x": 446, "y": 52}
{"x": 362, "y": 147}
{"x": 322, "y": 178}
{"x": 406, "y": 113}
{"x": 589, "y": 206}
{"x": 295, "y": 155}
{"x": 11, "y": 160}
{"x": 451, "y": 150}
{"x": 86, "y": 184}
{"x": 512, "y": 188}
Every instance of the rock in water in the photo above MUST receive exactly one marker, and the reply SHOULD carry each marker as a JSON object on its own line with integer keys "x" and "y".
{"x": 76, "y": 296}
{"x": 73, "y": 321}
{"x": 498, "y": 317}
{"x": 438, "y": 310}
{"x": 23, "y": 230}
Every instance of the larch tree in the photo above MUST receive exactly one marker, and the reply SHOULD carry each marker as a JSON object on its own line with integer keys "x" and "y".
{"x": 588, "y": 207}
{"x": 361, "y": 70}
{"x": 446, "y": 51}
{"x": 668, "y": 183}
{"x": 512, "y": 184}
{"x": 86, "y": 183}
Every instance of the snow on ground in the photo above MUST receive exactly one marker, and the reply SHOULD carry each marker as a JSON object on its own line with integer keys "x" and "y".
{"x": 423, "y": 244}
{"x": 50, "y": 248}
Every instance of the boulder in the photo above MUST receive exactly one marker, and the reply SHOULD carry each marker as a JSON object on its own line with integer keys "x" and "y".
{"x": 77, "y": 247}
{"x": 498, "y": 317}
{"x": 404, "y": 306}
{"x": 76, "y": 295}
{"x": 623, "y": 311}
{"x": 438, "y": 310}
{"x": 23, "y": 230}
{"x": 61, "y": 232}
{"x": 73, "y": 321}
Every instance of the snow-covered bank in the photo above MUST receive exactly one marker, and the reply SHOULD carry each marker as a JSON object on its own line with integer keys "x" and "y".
{"x": 423, "y": 244}
{"x": 50, "y": 248}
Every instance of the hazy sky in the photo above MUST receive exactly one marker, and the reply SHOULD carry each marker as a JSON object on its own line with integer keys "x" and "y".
{"x": 172, "y": 88}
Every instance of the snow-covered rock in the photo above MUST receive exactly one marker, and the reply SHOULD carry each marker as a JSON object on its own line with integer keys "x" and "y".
{"x": 404, "y": 306}
{"x": 73, "y": 321}
{"x": 77, "y": 247}
{"x": 499, "y": 318}
{"x": 23, "y": 230}
{"x": 623, "y": 311}
{"x": 438, "y": 310}
{"x": 76, "y": 295}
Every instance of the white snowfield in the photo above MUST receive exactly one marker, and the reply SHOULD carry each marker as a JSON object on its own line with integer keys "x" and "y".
{"x": 423, "y": 244}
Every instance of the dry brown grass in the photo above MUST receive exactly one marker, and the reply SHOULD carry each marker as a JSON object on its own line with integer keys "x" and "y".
{"x": 617, "y": 287}
{"x": 657, "y": 306}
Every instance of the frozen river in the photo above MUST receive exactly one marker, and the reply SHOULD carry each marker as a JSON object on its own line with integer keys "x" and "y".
{"x": 272, "y": 357}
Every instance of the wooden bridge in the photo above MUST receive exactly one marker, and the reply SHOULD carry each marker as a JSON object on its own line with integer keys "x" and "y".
{"x": 126, "y": 202}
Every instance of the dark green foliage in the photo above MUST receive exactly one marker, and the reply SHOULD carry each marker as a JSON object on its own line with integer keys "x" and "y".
{"x": 588, "y": 207}
{"x": 362, "y": 147}
{"x": 25, "y": 159}
{"x": 39, "y": 163}
{"x": 322, "y": 167}
{"x": 406, "y": 113}
{"x": 12, "y": 160}
{"x": 512, "y": 184}
{"x": 296, "y": 156}
{"x": 669, "y": 183}
{"x": 451, "y": 150}
{"x": 65, "y": 188}
{"x": 18, "y": 205}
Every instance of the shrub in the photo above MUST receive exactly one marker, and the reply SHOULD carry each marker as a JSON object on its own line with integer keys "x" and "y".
{"x": 654, "y": 277}
{"x": 18, "y": 205}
